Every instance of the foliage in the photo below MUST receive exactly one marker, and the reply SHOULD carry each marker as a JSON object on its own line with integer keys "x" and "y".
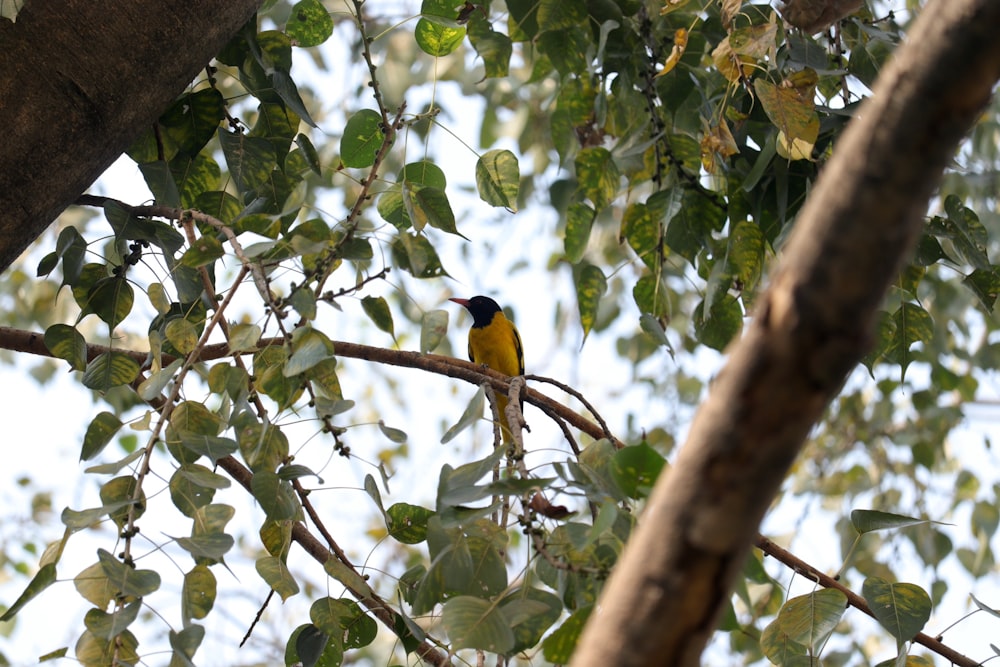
{"x": 675, "y": 145}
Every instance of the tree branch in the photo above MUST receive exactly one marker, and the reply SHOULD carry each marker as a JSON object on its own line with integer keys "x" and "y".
{"x": 19, "y": 340}
{"x": 810, "y": 329}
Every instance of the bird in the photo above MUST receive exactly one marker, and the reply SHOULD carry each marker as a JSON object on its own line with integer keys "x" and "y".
{"x": 495, "y": 343}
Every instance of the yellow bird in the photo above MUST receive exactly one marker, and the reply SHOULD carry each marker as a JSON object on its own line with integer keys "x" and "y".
{"x": 495, "y": 343}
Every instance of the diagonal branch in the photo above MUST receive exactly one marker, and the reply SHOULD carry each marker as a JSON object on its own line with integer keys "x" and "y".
{"x": 811, "y": 328}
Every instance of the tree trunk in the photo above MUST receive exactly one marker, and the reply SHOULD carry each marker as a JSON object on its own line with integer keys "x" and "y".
{"x": 810, "y": 329}
{"x": 81, "y": 80}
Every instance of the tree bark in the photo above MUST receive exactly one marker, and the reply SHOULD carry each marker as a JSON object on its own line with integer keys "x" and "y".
{"x": 81, "y": 80}
{"x": 810, "y": 329}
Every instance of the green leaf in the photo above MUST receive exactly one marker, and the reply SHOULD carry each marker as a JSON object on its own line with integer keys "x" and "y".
{"x": 436, "y": 39}
{"x": 344, "y": 621}
{"x": 125, "y": 579}
{"x": 182, "y": 334}
{"x": 65, "y": 342}
{"x": 414, "y": 253}
{"x": 160, "y": 181}
{"x": 250, "y": 159}
{"x": 598, "y": 175}
{"x": 244, "y": 337}
{"x": 498, "y": 178}
{"x": 559, "y": 15}
{"x": 746, "y": 252}
{"x": 99, "y": 434}
{"x": 45, "y": 577}
{"x": 690, "y": 230}
{"x": 636, "y": 468}
{"x": 394, "y": 434}
{"x": 531, "y": 613}
{"x": 407, "y": 523}
{"x": 473, "y": 413}
{"x": 277, "y": 575}
{"x": 913, "y": 325}
{"x": 642, "y": 232}
{"x": 590, "y": 287}
{"x": 211, "y": 446}
{"x": 810, "y": 619}
{"x": 263, "y": 446}
{"x": 377, "y": 310}
{"x": 212, "y": 546}
{"x": 476, "y": 623}
{"x": 110, "y": 369}
{"x": 433, "y": 329}
{"x": 866, "y": 521}
{"x": 424, "y": 173}
{"x": 93, "y": 651}
{"x": 119, "y": 496}
{"x": 128, "y": 226}
{"x": 309, "y": 348}
{"x": 558, "y": 646}
{"x": 111, "y": 300}
{"x": 363, "y": 137}
{"x": 206, "y": 250}
{"x": 985, "y": 284}
{"x": 185, "y": 644}
{"x": 198, "y": 593}
{"x": 275, "y": 495}
{"x": 193, "y": 418}
{"x": 310, "y": 153}
{"x": 107, "y": 626}
{"x": 457, "y": 486}
{"x": 310, "y": 646}
{"x": 47, "y": 265}
{"x": 651, "y": 296}
{"x": 429, "y": 205}
{"x": 579, "y": 221}
{"x": 309, "y": 24}
{"x": 493, "y": 47}
{"x": 966, "y": 233}
{"x": 117, "y": 466}
{"x": 285, "y": 86}
{"x": 902, "y": 609}
{"x": 779, "y": 648}
{"x": 193, "y": 486}
{"x": 721, "y": 324}
{"x": 567, "y": 49}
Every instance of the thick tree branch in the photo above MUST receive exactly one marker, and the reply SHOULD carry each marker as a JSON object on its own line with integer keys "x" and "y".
{"x": 67, "y": 115}
{"x": 810, "y": 329}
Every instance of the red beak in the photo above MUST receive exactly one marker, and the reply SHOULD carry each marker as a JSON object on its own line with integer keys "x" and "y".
{"x": 461, "y": 302}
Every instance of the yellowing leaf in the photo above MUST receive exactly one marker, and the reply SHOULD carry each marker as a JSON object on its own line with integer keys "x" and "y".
{"x": 741, "y": 49}
{"x": 727, "y": 10}
{"x": 717, "y": 142}
{"x": 680, "y": 43}
{"x": 755, "y": 41}
{"x": 730, "y": 64}
{"x": 790, "y": 107}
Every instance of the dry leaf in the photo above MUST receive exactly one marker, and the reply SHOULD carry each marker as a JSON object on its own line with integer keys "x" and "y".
{"x": 680, "y": 43}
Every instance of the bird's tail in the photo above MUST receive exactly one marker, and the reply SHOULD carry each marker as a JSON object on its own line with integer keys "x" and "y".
{"x": 502, "y": 402}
